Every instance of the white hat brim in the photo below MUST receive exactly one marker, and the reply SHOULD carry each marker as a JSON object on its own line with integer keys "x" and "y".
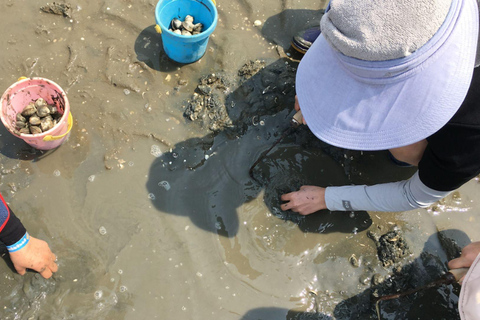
{"x": 346, "y": 111}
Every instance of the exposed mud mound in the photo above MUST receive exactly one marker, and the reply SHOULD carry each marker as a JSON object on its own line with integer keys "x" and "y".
{"x": 223, "y": 101}
{"x": 391, "y": 247}
{"x": 63, "y": 9}
{"x": 208, "y": 103}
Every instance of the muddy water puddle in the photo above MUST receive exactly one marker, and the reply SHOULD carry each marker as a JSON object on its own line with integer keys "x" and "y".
{"x": 153, "y": 214}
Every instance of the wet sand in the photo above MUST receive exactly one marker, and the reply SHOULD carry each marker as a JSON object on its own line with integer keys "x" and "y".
{"x": 154, "y": 216}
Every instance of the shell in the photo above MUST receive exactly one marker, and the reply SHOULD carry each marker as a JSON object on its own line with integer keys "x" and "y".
{"x": 40, "y": 103}
{"x": 187, "y": 25}
{"x": 198, "y": 27}
{"x": 20, "y": 124}
{"x": 47, "y": 123}
{"x": 34, "y": 120}
{"x": 177, "y": 31}
{"x": 189, "y": 18}
{"x": 29, "y": 110}
{"x": 176, "y": 24}
{"x": 35, "y": 129}
{"x": 53, "y": 109}
{"x": 186, "y": 33}
{"x": 19, "y": 117}
{"x": 43, "y": 111}
{"x": 25, "y": 130}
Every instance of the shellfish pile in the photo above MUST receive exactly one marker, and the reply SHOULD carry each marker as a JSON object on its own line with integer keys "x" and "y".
{"x": 37, "y": 117}
{"x": 186, "y": 27}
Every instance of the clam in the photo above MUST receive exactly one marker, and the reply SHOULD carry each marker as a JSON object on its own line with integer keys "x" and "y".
{"x": 19, "y": 117}
{"x": 43, "y": 111}
{"x": 29, "y": 110}
{"x": 198, "y": 27}
{"x": 25, "y": 130}
{"x": 40, "y": 103}
{"x": 35, "y": 129}
{"x": 176, "y": 24}
{"x": 187, "y": 25}
{"x": 20, "y": 124}
{"x": 34, "y": 120}
{"x": 53, "y": 109}
{"x": 46, "y": 123}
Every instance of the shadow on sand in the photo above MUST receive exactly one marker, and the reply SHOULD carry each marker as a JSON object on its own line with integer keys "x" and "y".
{"x": 207, "y": 178}
{"x": 438, "y": 303}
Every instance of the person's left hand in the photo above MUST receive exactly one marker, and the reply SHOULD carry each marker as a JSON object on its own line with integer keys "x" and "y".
{"x": 469, "y": 254}
{"x": 36, "y": 255}
{"x": 307, "y": 200}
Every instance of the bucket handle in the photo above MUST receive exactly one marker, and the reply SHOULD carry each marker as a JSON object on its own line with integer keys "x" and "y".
{"x": 70, "y": 125}
{"x": 159, "y": 30}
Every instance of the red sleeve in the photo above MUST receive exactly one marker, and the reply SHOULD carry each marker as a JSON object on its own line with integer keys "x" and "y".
{"x": 11, "y": 228}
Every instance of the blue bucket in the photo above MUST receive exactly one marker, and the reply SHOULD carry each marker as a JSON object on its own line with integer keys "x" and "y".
{"x": 185, "y": 49}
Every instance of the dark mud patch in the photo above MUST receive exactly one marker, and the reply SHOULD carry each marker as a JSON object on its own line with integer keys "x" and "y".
{"x": 282, "y": 185}
{"x": 237, "y": 101}
{"x": 63, "y": 9}
{"x": 207, "y": 104}
{"x": 391, "y": 247}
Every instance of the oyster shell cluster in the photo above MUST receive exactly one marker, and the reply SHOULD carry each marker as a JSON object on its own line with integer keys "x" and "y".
{"x": 37, "y": 117}
{"x": 186, "y": 27}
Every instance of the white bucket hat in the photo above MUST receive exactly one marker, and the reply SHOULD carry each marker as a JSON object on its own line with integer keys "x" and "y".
{"x": 387, "y": 73}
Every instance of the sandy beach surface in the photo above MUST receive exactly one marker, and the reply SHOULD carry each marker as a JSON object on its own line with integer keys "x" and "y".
{"x": 149, "y": 204}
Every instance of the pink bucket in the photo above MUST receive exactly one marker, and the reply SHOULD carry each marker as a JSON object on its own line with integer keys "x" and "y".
{"x": 27, "y": 90}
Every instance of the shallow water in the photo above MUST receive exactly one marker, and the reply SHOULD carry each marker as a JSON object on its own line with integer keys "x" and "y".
{"x": 154, "y": 217}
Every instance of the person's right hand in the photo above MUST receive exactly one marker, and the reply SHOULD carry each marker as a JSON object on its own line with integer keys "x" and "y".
{"x": 469, "y": 254}
{"x": 297, "y": 108}
{"x": 36, "y": 255}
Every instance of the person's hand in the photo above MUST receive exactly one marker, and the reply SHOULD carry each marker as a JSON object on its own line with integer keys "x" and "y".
{"x": 469, "y": 254}
{"x": 36, "y": 255}
{"x": 297, "y": 108}
{"x": 307, "y": 200}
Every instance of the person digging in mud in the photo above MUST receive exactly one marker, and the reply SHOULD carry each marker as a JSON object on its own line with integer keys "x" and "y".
{"x": 407, "y": 84}
{"x": 26, "y": 252}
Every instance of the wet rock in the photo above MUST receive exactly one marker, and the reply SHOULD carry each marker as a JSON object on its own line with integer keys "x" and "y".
{"x": 391, "y": 247}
